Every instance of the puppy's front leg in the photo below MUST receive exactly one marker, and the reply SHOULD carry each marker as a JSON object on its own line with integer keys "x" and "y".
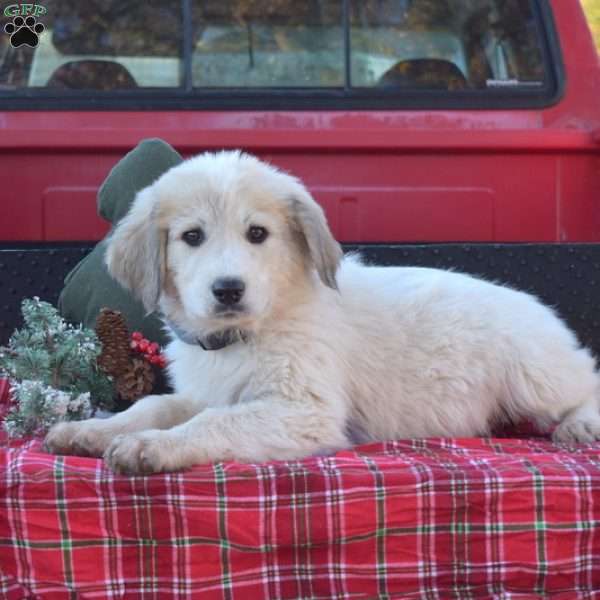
{"x": 255, "y": 431}
{"x": 92, "y": 436}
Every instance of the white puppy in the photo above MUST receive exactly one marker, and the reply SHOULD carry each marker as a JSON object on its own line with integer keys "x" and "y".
{"x": 282, "y": 349}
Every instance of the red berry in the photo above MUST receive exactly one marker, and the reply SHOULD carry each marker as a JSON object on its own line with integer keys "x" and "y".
{"x": 137, "y": 336}
{"x": 143, "y": 346}
{"x": 153, "y": 348}
{"x": 134, "y": 345}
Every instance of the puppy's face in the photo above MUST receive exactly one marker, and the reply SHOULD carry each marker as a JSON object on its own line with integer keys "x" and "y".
{"x": 222, "y": 242}
{"x": 231, "y": 251}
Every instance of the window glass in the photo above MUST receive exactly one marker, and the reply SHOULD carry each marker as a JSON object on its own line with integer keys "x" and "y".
{"x": 268, "y": 43}
{"x": 102, "y": 45}
{"x": 592, "y": 12}
{"x": 349, "y": 47}
{"x": 445, "y": 44}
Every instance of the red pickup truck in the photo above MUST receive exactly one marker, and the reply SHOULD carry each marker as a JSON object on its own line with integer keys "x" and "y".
{"x": 447, "y": 122}
{"x": 410, "y": 120}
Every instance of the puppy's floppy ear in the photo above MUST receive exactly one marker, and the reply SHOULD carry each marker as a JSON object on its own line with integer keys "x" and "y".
{"x": 308, "y": 220}
{"x": 135, "y": 255}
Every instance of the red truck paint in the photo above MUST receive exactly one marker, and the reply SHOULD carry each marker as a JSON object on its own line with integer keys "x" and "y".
{"x": 382, "y": 176}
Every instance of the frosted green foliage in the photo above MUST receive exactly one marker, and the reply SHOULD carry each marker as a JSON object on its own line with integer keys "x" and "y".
{"x": 52, "y": 370}
{"x": 39, "y": 407}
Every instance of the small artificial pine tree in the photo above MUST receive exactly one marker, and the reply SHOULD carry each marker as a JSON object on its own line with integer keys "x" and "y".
{"x": 53, "y": 372}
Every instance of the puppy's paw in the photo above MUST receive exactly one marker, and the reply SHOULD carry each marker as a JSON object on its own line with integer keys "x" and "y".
{"x": 578, "y": 430}
{"x": 142, "y": 453}
{"x": 81, "y": 438}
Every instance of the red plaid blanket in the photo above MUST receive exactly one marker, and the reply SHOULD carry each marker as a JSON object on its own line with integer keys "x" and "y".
{"x": 431, "y": 519}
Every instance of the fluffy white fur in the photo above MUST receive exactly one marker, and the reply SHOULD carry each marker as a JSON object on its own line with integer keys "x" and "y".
{"x": 336, "y": 352}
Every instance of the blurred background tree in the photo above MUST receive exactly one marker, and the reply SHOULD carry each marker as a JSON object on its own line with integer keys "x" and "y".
{"x": 592, "y": 11}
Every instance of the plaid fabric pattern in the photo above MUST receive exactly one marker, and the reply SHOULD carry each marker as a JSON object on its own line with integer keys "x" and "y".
{"x": 423, "y": 519}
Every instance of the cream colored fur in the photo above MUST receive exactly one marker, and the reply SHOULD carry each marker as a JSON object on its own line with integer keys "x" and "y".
{"x": 336, "y": 352}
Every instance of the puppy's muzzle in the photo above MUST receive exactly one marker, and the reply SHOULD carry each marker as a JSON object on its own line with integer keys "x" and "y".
{"x": 228, "y": 291}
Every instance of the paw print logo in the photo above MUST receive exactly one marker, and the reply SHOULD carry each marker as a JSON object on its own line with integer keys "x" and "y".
{"x": 24, "y": 31}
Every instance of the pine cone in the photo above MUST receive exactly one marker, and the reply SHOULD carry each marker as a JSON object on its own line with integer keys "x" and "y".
{"x": 136, "y": 382}
{"x": 112, "y": 332}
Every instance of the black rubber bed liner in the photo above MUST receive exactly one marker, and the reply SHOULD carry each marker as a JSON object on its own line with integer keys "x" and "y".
{"x": 565, "y": 276}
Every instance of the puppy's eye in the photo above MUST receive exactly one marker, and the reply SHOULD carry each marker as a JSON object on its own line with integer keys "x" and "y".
{"x": 257, "y": 235}
{"x": 193, "y": 237}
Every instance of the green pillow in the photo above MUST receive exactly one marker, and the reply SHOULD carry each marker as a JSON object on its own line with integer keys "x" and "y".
{"x": 89, "y": 287}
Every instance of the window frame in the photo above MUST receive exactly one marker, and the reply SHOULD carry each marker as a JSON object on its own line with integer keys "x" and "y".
{"x": 187, "y": 97}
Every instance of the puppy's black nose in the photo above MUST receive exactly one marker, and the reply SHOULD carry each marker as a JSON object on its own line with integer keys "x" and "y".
{"x": 228, "y": 291}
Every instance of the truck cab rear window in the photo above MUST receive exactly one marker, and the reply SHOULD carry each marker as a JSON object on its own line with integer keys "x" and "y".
{"x": 339, "y": 48}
